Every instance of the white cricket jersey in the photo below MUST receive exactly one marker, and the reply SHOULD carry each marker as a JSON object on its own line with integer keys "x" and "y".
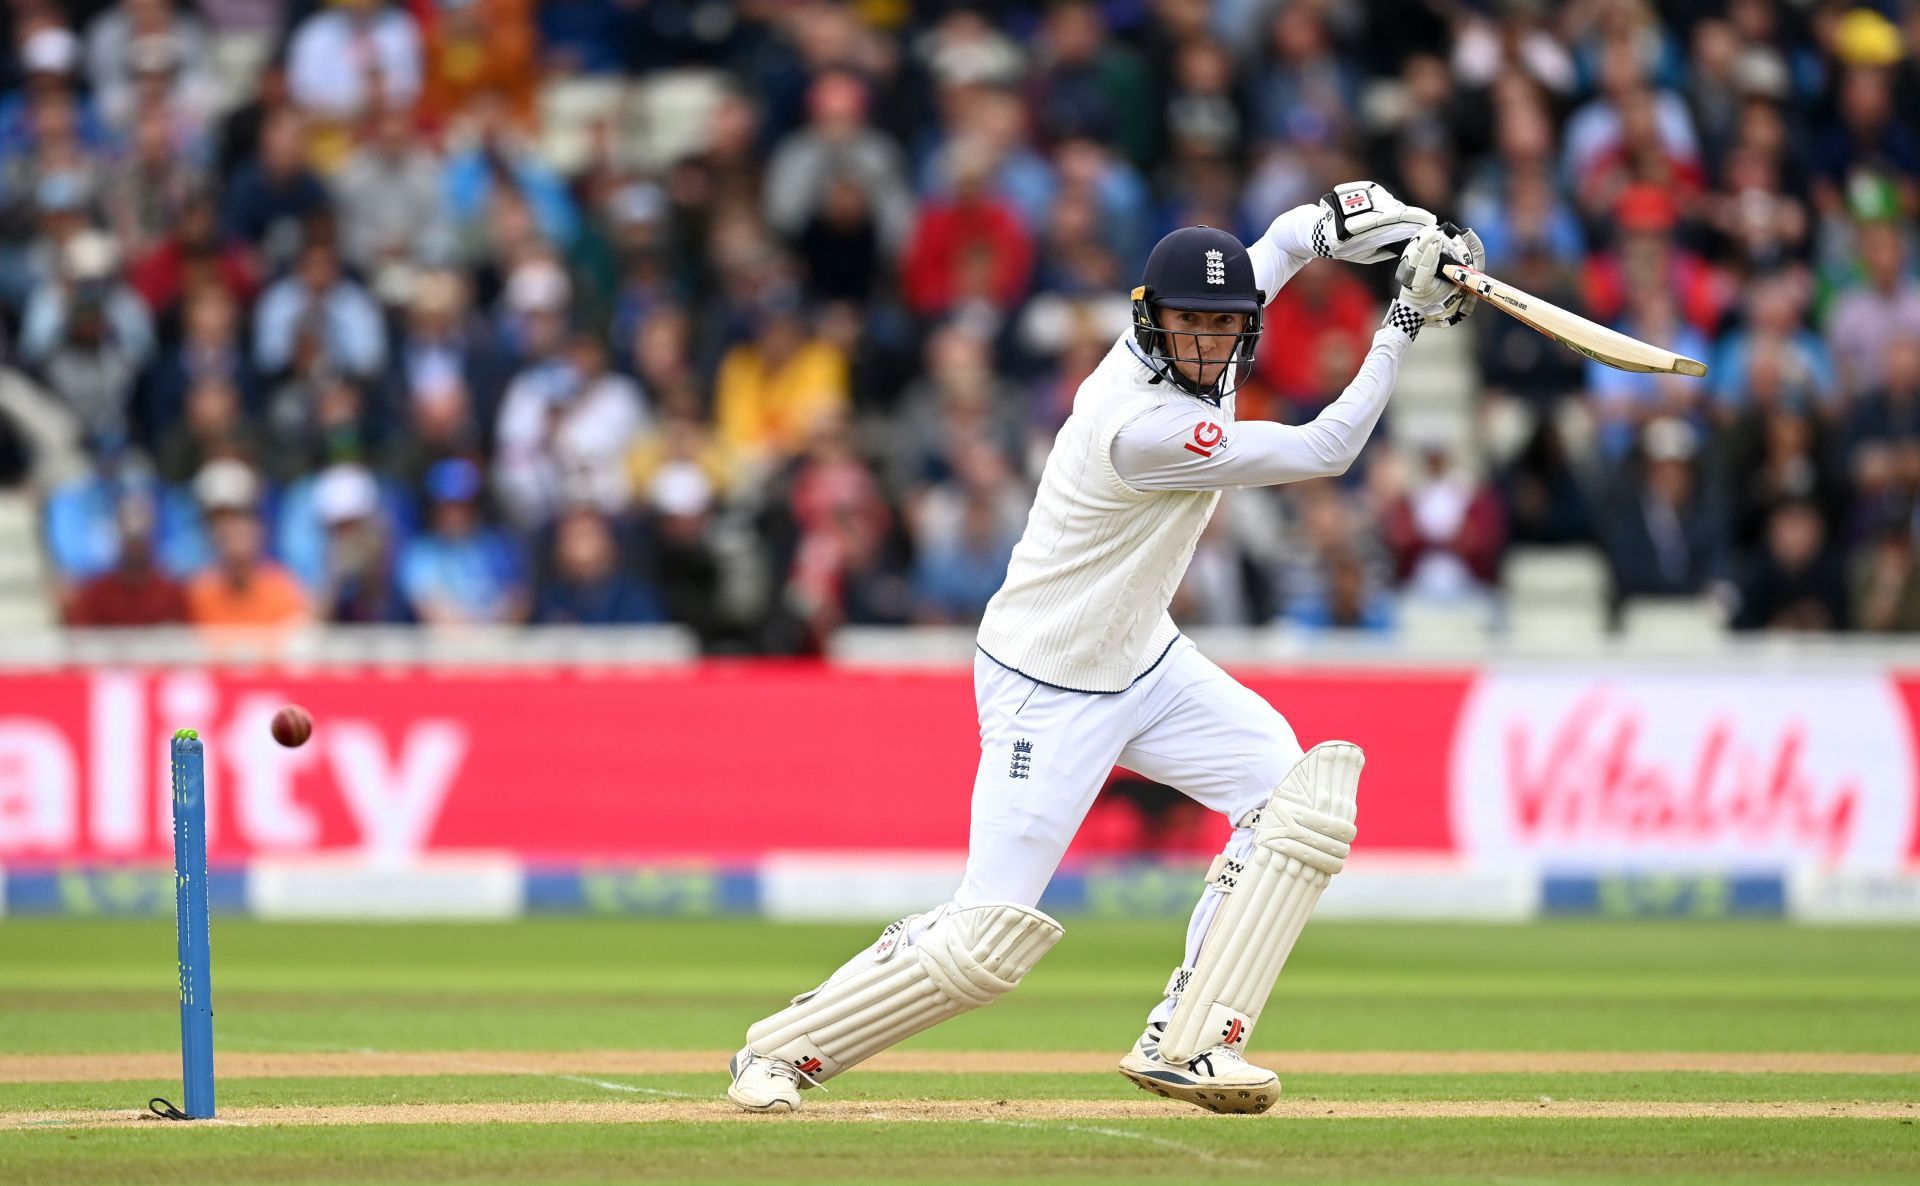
{"x": 1134, "y": 475}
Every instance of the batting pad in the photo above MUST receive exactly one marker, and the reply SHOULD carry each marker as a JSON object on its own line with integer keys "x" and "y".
{"x": 965, "y": 957}
{"x": 1301, "y": 839}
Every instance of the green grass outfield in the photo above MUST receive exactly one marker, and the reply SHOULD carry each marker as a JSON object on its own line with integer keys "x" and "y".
{"x": 591, "y": 1051}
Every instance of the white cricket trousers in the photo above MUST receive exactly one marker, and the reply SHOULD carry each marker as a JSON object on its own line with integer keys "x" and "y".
{"x": 1045, "y": 752}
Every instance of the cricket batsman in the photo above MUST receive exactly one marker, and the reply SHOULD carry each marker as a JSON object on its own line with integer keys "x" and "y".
{"x": 1079, "y": 668}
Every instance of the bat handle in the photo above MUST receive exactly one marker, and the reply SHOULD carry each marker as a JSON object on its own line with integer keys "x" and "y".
{"x": 1464, "y": 278}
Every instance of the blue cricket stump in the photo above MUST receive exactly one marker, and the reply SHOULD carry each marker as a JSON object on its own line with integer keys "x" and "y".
{"x": 190, "y": 922}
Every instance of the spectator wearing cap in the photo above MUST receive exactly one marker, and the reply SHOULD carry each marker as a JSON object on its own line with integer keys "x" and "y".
{"x": 585, "y": 583}
{"x": 838, "y": 148}
{"x": 1881, "y": 307}
{"x": 460, "y": 572}
{"x": 87, "y": 335}
{"x": 51, "y": 210}
{"x": 1866, "y": 129}
{"x": 242, "y": 588}
{"x": 357, "y": 583}
{"x": 566, "y": 429}
{"x": 274, "y": 196}
{"x": 143, "y": 56}
{"x": 679, "y": 502}
{"x": 1664, "y": 534}
{"x": 680, "y": 434}
{"x": 49, "y": 54}
{"x": 52, "y": 183}
{"x": 352, "y": 55}
{"x": 775, "y": 387}
{"x": 391, "y": 205}
{"x": 318, "y": 298}
{"x": 135, "y": 591}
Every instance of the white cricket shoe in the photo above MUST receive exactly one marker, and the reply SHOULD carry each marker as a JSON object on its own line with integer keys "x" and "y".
{"x": 762, "y": 1084}
{"x": 1217, "y": 1079}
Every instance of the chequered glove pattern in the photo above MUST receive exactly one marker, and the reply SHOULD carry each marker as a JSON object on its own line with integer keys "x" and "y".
{"x": 1320, "y": 247}
{"x": 1405, "y": 319}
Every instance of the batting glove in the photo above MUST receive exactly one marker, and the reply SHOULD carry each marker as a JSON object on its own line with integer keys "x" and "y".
{"x": 1361, "y": 223}
{"x": 1425, "y": 295}
{"x": 1462, "y": 247}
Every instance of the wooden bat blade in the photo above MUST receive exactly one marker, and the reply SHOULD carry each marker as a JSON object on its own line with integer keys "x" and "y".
{"x": 1590, "y": 338}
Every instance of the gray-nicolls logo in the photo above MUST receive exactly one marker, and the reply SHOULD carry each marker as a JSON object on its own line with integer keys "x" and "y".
{"x": 1022, "y": 766}
{"x": 1216, "y": 267}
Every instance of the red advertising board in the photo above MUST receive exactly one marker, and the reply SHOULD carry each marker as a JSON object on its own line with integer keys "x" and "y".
{"x": 733, "y": 760}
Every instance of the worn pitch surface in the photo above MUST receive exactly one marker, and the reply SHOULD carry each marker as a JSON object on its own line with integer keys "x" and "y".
{"x": 593, "y": 1051}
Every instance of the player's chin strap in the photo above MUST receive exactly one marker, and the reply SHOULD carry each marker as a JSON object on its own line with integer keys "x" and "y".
{"x": 1300, "y": 840}
{"x": 962, "y": 957}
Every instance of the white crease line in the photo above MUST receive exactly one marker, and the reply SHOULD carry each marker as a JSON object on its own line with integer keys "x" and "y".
{"x": 685, "y": 1095}
{"x": 1193, "y": 1151}
{"x": 451, "y": 1060}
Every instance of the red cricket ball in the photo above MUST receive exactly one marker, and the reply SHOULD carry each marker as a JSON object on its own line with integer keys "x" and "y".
{"x": 292, "y": 726}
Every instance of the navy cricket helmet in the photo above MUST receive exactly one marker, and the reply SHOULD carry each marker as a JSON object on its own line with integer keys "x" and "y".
{"x": 1205, "y": 270}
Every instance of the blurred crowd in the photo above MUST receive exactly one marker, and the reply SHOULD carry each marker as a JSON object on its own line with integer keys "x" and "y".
{"x": 759, "y": 315}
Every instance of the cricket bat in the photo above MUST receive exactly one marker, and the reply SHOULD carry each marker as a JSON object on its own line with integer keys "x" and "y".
{"x": 1570, "y": 329}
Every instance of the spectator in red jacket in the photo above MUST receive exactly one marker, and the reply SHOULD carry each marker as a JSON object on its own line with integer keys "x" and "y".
{"x": 1326, "y": 308}
{"x": 968, "y": 248}
{"x": 1645, "y": 256}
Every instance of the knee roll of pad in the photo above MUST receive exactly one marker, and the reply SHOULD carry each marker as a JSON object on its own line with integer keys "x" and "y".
{"x": 1301, "y": 839}
{"x": 963, "y": 958}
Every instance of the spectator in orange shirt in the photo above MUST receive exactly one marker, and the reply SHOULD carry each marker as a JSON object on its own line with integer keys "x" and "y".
{"x": 479, "y": 45}
{"x": 243, "y": 588}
